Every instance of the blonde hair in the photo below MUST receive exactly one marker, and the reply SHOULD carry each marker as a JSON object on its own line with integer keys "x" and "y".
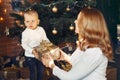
{"x": 31, "y": 12}
{"x": 93, "y": 30}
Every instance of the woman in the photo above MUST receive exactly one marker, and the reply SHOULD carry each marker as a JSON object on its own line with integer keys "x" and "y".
{"x": 90, "y": 59}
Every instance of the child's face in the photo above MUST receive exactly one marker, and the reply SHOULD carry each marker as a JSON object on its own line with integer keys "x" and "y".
{"x": 31, "y": 21}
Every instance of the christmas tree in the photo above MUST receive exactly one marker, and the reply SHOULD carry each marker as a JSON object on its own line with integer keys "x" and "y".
{"x": 57, "y": 17}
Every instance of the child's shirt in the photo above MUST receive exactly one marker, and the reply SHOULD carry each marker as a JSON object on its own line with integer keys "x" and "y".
{"x": 31, "y": 39}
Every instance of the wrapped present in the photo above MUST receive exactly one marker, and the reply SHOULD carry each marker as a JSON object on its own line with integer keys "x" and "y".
{"x": 24, "y": 73}
{"x": 46, "y": 47}
{"x": 9, "y": 73}
{"x": 63, "y": 65}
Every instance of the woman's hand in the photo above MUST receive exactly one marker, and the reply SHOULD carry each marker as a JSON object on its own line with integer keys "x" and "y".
{"x": 64, "y": 56}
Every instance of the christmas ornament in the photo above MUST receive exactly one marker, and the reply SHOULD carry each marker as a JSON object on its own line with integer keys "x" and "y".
{"x": 55, "y": 9}
{"x": 71, "y": 27}
{"x": 54, "y": 31}
{"x": 68, "y": 8}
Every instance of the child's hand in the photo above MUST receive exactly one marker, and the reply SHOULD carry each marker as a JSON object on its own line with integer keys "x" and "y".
{"x": 35, "y": 54}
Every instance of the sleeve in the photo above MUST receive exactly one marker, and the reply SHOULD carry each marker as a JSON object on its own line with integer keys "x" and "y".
{"x": 81, "y": 69}
{"x": 44, "y": 36}
{"x": 25, "y": 43}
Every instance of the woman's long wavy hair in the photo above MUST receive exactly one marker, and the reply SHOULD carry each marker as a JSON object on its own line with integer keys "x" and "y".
{"x": 93, "y": 29}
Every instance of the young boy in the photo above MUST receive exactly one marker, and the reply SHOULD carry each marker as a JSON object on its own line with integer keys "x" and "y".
{"x": 31, "y": 37}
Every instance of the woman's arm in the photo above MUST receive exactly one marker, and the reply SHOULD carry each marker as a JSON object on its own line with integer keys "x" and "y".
{"x": 84, "y": 65}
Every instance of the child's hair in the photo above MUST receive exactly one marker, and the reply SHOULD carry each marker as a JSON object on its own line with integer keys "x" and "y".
{"x": 31, "y": 12}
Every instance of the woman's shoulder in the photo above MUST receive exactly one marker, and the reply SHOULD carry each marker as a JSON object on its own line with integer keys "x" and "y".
{"x": 96, "y": 51}
{"x": 90, "y": 50}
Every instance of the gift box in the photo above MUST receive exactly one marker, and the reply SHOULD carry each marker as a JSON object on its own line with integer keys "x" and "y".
{"x": 48, "y": 75}
{"x": 111, "y": 73}
{"x": 9, "y": 73}
{"x": 47, "y": 48}
{"x": 24, "y": 73}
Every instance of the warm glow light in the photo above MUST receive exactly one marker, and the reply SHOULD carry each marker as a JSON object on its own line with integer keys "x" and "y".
{"x": 0, "y": 1}
{"x": 1, "y": 19}
{"x": 21, "y": 13}
{"x": 17, "y": 21}
{"x": 5, "y": 10}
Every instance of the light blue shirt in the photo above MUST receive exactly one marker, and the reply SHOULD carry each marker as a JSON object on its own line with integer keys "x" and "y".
{"x": 86, "y": 65}
{"x": 31, "y": 39}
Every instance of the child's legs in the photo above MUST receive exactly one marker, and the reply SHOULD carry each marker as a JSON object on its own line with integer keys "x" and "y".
{"x": 31, "y": 63}
{"x": 40, "y": 70}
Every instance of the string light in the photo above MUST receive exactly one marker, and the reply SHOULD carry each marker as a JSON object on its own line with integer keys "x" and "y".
{"x": 1, "y": 18}
{"x": 21, "y": 13}
{"x": 5, "y": 10}
{"x": 0, "y": 1}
